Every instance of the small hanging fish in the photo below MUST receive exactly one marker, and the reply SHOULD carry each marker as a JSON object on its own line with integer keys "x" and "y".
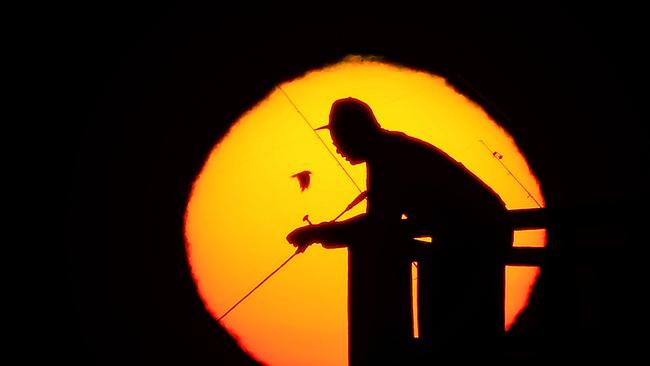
{"x": 303, "y": 178}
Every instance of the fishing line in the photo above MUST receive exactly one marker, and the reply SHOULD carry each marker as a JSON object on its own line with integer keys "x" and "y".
{"x": 311, "y": 127}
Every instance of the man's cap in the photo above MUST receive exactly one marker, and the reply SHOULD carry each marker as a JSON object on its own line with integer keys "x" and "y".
{"x": 345, "y": 106}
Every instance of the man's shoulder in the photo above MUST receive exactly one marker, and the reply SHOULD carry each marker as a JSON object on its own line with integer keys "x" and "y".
{"x": 398, "y": 141}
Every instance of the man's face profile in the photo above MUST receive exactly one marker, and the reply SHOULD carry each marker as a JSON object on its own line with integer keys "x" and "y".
{"x": 351, "y": 126}
{"x": 347, "y": 150}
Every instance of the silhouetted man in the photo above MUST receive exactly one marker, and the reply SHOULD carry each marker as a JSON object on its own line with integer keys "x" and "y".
{"x": 414, "y": 189}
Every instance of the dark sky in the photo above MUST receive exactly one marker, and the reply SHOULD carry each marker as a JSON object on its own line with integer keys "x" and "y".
{"x": 142, "y": 92}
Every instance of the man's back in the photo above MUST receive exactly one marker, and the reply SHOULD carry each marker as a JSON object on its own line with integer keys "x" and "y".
{"x": 461, "y": 271}
{"x": 409, "y": 176}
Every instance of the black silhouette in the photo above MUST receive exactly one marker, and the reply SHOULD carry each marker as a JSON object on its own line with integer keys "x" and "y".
{"x": 303, "y": 178}
{"x": 461, "y": 270}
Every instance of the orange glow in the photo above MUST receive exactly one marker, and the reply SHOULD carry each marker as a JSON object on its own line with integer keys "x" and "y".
{"x": 519, "y": 283}
{"x": 535, "y": 238}
{"x": 414, "y": 299}
{"x": 244, "y": 203}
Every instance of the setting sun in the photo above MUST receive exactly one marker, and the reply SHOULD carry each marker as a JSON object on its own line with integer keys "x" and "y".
{"x": 245, "y": 201}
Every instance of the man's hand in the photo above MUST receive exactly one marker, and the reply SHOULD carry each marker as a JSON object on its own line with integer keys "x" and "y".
{"x": 304, "y": 236}
{"x": 330, "y": 234}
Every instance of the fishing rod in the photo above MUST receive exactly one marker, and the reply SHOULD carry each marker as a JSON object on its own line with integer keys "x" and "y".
{"x": 300, "y": 249}
{"x": 499, "y": 158}
{"x": 362, "y": 195}
{"x": 464, "y": 83}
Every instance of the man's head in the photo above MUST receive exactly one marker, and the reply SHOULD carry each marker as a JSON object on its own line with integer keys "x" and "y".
{"x": 353, "y": 128}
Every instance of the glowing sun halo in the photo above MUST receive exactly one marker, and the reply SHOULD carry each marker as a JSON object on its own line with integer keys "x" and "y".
{"x": 244, "y": 203}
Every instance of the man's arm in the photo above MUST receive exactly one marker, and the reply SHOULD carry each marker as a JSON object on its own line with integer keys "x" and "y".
{"x": 331, "y": 234}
